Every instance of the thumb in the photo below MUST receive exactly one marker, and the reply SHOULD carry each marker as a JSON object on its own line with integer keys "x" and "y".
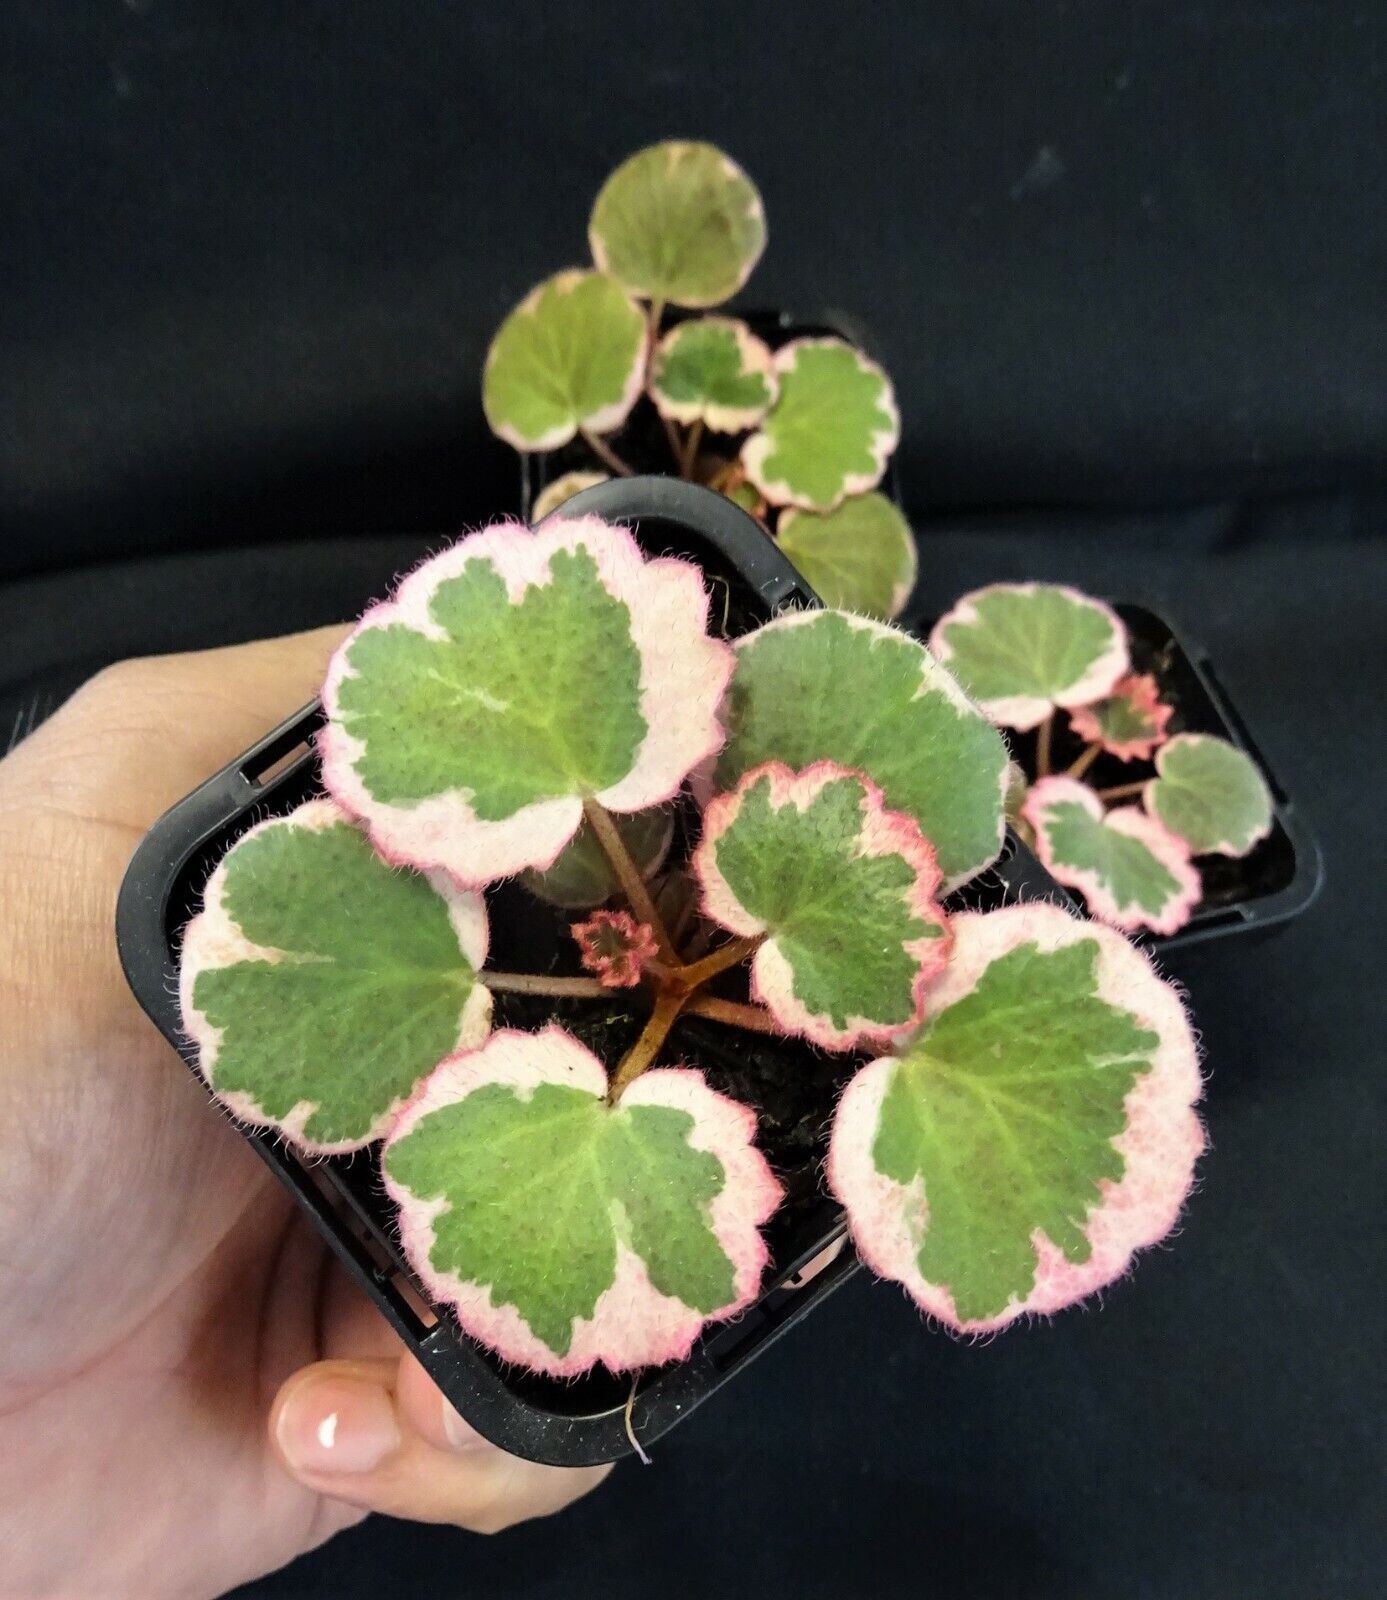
{"x": 379, "y": 1435}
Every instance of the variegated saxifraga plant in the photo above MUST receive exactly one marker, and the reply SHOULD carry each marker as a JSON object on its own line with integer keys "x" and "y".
{"x": 536, "y": 707}
{"x": 1026, "y": 652}
{"x": 800, "y": 436}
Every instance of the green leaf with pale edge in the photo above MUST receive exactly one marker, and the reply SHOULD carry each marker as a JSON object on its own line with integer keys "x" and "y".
{"x": 570, "y": 356}
{"x": 842, "y": 890}
{"x": 713, "y": 370}
{"x": 582, "y": 876}
{"x": 822, "y": 685}
{"x": 564, "y": 1231}
{"x": 510, "y": 678}
{"x": 830, "y": 433}
{"x": 1210, "y": 794}
{"x": 320, "y": 986}
{"x": 1036, "y": 1132}
{"x": 860, "y": 557}
{"x": 1132, "y": 870}
{"x": 678, "y": 223}
{"x": 1128, "y": 723}
{"x": 1021, "y": 649}
{"x": 562, "y": 489}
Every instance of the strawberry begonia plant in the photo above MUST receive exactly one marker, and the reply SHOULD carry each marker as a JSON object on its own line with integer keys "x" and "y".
{"x": 799, "y": 436}
{"x": 1029, "y": 653}
{"x": 542, "y": 706}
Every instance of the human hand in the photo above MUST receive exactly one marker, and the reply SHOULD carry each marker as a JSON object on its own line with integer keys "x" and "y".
{"x": 192, "y": 1392}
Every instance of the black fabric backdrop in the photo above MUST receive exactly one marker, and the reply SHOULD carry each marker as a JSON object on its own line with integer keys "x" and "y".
{"x": 1127, "y": 266}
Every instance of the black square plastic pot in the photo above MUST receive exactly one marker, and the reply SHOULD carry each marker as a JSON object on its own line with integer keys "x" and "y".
{"x": 791, "y": 1085}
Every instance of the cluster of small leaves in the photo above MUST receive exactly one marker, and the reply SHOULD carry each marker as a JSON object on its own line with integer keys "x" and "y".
{"x": 531, "y": 704}
{"x": 799, "y": 436}
{"x": 1028, "y": 652}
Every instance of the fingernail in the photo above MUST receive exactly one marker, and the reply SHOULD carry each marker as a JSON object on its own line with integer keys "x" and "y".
{"x": 337, "y": 1425}
{"x": 459, "y": 1434}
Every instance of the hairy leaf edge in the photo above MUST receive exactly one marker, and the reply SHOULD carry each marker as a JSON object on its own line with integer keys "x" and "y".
{"x": 677, "y": 716}
{"x": 722, "y": 1126}
{"x": 884, "y": 832}
{"x": 1160, "y": 1145}
{"x": 212, "y": 940}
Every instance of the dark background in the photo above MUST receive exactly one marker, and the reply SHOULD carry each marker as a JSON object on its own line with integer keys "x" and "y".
{"x": 1128, "y": 267}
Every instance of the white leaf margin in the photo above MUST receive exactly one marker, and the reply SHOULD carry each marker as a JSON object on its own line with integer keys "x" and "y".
{"x": 755, "y": 359}
{"x": 1022, "y": 711}
{"x": 1168, "y": 848}
{"x": 882, "y": 444}
{"x": 633, "y": 1325}
{"x": 606, "y": 418}
{"x": 1162, "y": 1140}
{"x": 883, "y": 833}
{"x": 1222, "y": 847}
{"x": 674, "y": 148}
{"x": 684, "y": 676}
{"x": 212, "y": 940}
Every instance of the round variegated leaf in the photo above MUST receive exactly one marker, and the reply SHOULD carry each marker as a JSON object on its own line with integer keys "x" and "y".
{"x": 1133, "y": 872}
{"x": 1128, "y": 723}
{"x": 1021, "y": 649}
{"x": 831, "y": 432}
{"x": 510, "y": 678}
{"x": 824, "y": 685}
{"x": 570, "y": 356}
{"x": 713, "y": 370}
{"x": 320, "y": 986}
{"x": 566, "y": 1232}
{"x": 1035, "y": 1134}
{"x": 678, "y": 223}
{"x": 859, "y": 557}
{"x": 563, "y": 488}
{"x": 582, "y": 876}
{"x": 1210, "y": 794}
{"x": 842, "y": 891}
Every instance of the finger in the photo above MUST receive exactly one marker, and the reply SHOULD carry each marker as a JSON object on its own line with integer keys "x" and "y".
{"x": 142, "y": 734}
{"x": 379, "y": 1435}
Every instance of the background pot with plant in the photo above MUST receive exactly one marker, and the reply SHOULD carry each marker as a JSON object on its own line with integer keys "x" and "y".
{"x": 627, "y": 366}
{"x": 1010, "y": 1092}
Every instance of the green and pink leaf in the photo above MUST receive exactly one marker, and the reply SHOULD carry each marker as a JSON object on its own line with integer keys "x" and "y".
{"x": 1211, "y": 794}
{"x": 1129, "y": 722}
{"x": 509, "y": 678}
{"x": 320, "y": 986}
{"x": 840, "y": 890}
{"x": 1131, "y": 869}
{"x": 1021, "y": 649}
{"x": 652, "y": 1209}
{"x": 1036, "y": 1134}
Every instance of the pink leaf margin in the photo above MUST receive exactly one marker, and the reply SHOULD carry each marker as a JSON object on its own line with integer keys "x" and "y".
{"x": 882, "y": 445}
{"x": 604, "y": 420}
{"x": 1142, "y": 694}
{"x": 684, "y": 676}
{"x": 883, "y": 833}
{"x": 212, "y": 940}
{"x": 1024, "y": 712}
{"x": 1161, "y": 1143}
{"x": 1171, "y": 851}
{"x": 755, "y": 357}
{"x": 633, "y": 1325}
{"x": 1225, "y": 847}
